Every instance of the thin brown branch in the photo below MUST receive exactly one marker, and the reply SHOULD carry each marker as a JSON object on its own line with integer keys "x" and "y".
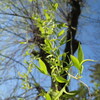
{"x": 11, "y": 14}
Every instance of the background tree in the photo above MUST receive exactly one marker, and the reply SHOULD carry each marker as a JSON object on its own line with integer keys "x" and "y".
{"x": 96, "y": 80}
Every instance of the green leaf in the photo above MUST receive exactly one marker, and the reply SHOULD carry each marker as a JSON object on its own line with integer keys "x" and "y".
{"x": 80, "y": 53}
{"x": 56, "y": 6}
{"x": 22, "y": 75}
{"x": 48, "y": 43}
{"x": 62, "y": 41}
{"x": 47, "y": 96}
{"x": 61, "y": 33}
{"x": 61, "y": 92}
{"x": 47, "y": 16}
{"x": 60, "y": 79}
{"x": 32, "y": 0}
{"x": 82, "y": 67}
{"x": 65, "y": 25}
{"x": 23, "y": 42}
{"x": 72, "y": 93}
{"x": 86, "y": 61}
{"x": 43, "y": 67}
{"x": 39, "y": 68}
{"x": 75, "y": 62}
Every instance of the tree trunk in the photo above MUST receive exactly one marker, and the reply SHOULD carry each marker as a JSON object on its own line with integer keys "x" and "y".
{"x": 72, "y": 45}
